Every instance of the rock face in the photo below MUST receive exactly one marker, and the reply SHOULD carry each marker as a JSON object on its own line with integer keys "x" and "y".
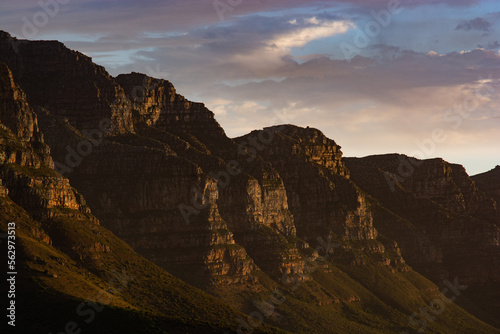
{"x": 65, "y": 257}
{"x": 445, "y": 225}
{"x": 322, "y": 199}
{"x": 23, "y": 149}
{"x": 156, "y": 103}
{"x": 255, "y": 214}
{"x": 442, "y": 202}
{"x": 489, "y": 183}
{"x": 138, "y": 199}
{"x": 92, "y": 96}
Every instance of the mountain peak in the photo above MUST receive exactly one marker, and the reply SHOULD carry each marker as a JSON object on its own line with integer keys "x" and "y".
{"x": 4, "y": 35}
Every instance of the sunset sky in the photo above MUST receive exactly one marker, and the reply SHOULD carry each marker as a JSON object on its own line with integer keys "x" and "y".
{"x": 415, "y": 77}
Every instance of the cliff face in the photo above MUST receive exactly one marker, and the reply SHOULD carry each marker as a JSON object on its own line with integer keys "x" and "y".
{"x": 256, "y": 215}
{"x": 315, "y": 179}
{"x": 489, "y": 183}
{"x": 24, "y": 151}
{"x": 445, "y": 225}
{"x": 322, "y": 199}
{"x": 138, "y": 199}
{"x": 443, "y": 203}
{"x": 67, "y": 83}
{"x": 156, "y": 103}
{"x": 64, "y": 259}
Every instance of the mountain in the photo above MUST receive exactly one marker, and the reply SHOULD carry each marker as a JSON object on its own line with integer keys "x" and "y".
{"x": 274, "y": 228}
{"x": 70, "y": 268}
{"x": 489, "y": 183}
{"x": 445, "y": 225}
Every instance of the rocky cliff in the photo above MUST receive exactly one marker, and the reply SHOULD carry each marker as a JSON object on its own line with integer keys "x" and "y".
{"x": 322, "y": 199}
{"x": 24, "y": 153}
{"x": 84, "y": 103}
{"x": 136, "y": 198}
{"x": 254, "y": 214}
{"x": 489, "y": 183}
{"x": 445, "y": 224}
{"x": 64, "y": 256}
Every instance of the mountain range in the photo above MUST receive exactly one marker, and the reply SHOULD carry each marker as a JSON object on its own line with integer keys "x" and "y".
{"x": 135, "y": 213}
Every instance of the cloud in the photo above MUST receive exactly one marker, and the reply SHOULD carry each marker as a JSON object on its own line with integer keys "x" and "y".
{"x": 478, "y": 24}
{"x": 245, "y": 49}
{"x": 317, "y": 30}
{"x": 129, "y": 17}
{"x": 490, "y": 46}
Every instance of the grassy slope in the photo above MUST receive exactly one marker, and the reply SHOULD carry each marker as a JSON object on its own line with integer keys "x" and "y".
{"x": 139, "y": 296}
{"x": 356, "y": 299}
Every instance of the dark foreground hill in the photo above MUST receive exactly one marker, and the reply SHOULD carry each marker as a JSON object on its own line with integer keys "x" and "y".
{"x": 274, "y": 228}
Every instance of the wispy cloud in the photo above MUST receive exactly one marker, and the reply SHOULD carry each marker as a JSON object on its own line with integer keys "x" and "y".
{"x": 313, "y": 31}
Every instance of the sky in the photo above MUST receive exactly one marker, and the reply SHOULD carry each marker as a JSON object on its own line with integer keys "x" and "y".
{"x": 420, "y": 78}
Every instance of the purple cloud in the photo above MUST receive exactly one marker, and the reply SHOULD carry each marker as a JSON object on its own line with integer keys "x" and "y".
{"x": 478, "y": 23}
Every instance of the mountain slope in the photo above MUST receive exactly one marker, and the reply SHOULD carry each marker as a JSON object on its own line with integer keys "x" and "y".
{"x": 66, "y": 259}
{"x": 445, "y": 225}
